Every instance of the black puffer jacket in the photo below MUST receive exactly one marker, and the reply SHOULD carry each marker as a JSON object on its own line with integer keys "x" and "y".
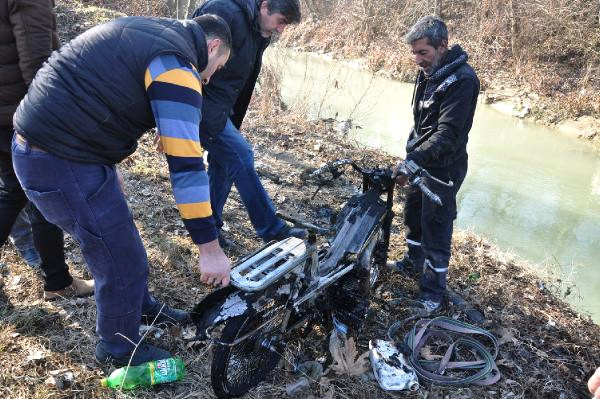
{"x": 230, "y": 89}
{"x": 27, "y": 37}
{"x": 444, "y": 106}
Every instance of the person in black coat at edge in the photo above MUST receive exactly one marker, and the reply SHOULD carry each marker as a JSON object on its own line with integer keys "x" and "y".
{"x": 444, "y": 103}
{"x": 28, "y": 36}
{"x": 230, "y": 157}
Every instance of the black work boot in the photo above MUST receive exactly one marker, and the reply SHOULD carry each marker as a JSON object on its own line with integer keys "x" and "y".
{"x": 287, "y": 232}
{"x": 406, "y": 266}
{"x": 420, "y": 306}
{"x": 161, "y": 314}
{"x": 142, "y": 354}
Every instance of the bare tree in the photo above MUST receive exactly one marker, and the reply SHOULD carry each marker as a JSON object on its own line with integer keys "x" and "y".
{"x": 178, "y": 8}
{"x": 192, "y": 7}
{"x": 515, "y": 28}
{"x": 438, "y": 8}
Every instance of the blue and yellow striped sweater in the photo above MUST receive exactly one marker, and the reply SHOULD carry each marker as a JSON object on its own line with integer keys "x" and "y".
{"x": 175, "y": 91}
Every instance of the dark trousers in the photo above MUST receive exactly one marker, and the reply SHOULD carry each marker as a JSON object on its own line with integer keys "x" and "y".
{"x": 86, "y": 201}
{"x": 47, "y": 238}
{"x": 429, "y": 229}
{"x": 231, "y": 161}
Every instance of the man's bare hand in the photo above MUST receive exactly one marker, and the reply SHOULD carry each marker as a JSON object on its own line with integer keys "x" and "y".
{"x": 594, "y": 384}
{"x": 214, "y": 264}
{"x": 398, "y": 175}
{"x": 401, "y": 180}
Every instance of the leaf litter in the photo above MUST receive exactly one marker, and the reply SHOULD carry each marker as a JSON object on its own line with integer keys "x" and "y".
{"x": 548, "y": 350}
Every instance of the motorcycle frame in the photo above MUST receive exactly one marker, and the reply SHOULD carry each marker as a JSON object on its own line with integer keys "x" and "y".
{"x": 305, "y": 287}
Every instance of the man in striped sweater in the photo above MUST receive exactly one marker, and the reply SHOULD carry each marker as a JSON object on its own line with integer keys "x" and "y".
{"x": 85, "y": 111}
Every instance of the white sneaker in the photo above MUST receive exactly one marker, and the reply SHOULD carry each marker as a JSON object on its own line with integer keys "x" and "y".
{"x": 430, "y": 306}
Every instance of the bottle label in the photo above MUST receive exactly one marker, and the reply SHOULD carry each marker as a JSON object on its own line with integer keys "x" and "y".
{"x": 164, "y": 370}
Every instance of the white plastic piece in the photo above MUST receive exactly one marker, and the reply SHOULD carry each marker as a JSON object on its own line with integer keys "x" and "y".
{"x": 269, "y": 265}
{"x": 392, "y": 371}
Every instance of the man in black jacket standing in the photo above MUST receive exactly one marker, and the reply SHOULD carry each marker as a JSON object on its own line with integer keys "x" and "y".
{"x": 231, "y": 160}
{"x": 444, "y": 104}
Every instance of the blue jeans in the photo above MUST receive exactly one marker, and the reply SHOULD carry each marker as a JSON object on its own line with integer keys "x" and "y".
{"x": 48, "y": 239}
{"x": 20, "y": 234}
{"x": 86, "y": 201}
{"x": 429, "y": 229}
{"x": 231, "y": 161}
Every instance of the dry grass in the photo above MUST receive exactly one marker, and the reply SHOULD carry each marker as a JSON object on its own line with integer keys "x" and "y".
{"x": 546, "y": 349}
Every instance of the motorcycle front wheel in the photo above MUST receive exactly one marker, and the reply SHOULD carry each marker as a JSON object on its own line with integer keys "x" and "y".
{"x": 249, "y": 349}
{"x": 349, "y": 298}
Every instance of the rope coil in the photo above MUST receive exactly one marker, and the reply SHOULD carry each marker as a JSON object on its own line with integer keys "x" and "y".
{"x": 458, "y": 335}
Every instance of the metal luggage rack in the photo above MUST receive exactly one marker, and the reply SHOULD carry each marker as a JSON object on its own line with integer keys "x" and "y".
{"x": 268, "y": 265}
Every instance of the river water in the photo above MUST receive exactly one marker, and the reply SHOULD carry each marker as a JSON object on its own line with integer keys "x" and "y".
{"x": 531, "y": 190}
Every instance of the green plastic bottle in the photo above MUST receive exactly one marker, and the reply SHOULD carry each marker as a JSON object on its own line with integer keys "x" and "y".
{"x": 146, "y": 374}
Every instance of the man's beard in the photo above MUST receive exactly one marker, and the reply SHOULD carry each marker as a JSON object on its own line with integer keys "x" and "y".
{"x": 437, "y": 61}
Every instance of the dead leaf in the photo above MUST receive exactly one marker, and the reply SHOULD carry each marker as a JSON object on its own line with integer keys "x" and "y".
{"x": 326, "y": 390}
{"x": 155, "y": 331}
{"x": 37, "y": 355}
{"x": 81, "y": 301}
{"x": 175, "y": 331}
{"x": 329, "y": 394}
{"x": 61, "y": 379}
{"x": 188, "y": 332}
{"x": 506, "y": 335}
{"x": 346, "y": 358}
{"x": 296, "y": 387}
{"x": 311, "y": 369}
{"x": 428, "y": 355}
{"x": 16, "y": 280}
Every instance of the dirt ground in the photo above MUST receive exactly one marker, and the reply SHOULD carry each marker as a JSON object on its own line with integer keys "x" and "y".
{"x": 46, "y": 348}
{"x": 546, "y": 351}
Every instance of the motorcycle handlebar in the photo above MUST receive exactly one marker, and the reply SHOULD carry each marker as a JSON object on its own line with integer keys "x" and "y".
{"x": 429, "y": 194}
{"x": 414, "y": 172}
{"x": 333, "y": 168}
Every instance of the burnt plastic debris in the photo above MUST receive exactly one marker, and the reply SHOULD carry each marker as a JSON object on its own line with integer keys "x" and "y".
{"x": 392, "y": 371}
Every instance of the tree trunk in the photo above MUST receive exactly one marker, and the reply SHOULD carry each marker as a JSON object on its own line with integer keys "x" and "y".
{"x": 438, "y": 8}
{"x": 191, "y": 8}
{"x": 515, "y": 29}
{"x": 178, "y": 8}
